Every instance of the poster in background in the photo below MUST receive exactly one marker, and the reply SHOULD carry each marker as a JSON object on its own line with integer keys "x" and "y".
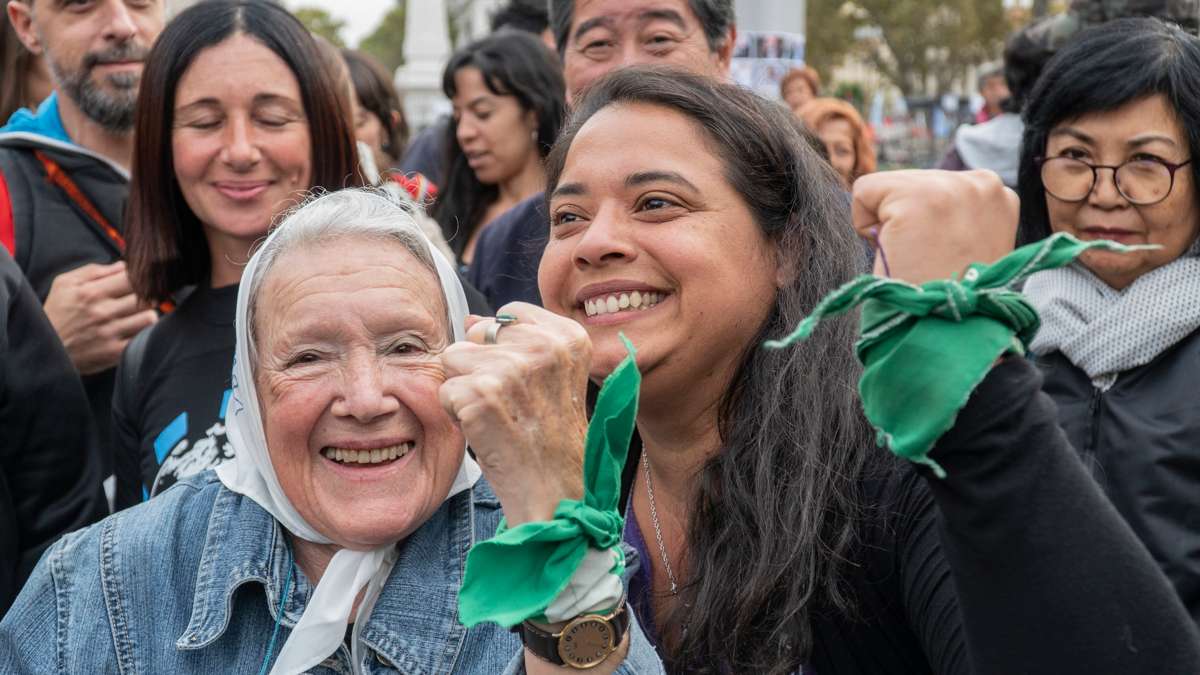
{"x": 762, "y": 58}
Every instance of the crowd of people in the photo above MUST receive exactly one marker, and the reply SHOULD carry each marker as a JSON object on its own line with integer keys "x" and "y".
{"x": 282, "y": 381}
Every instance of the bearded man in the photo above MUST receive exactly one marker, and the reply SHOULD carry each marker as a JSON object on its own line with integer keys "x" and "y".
{"x": 64, "y": 174}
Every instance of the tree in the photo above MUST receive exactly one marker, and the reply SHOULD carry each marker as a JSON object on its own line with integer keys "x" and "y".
{"x": 320, "y": 22}
{"x": 386, "y": 42}
{"x": 829, "y": 38}
{"x": 924, "y": 46}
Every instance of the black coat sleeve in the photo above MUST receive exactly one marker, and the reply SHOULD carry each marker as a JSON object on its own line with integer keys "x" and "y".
{"x": 50, "y": 476}
{"x": 1048, "y": 577}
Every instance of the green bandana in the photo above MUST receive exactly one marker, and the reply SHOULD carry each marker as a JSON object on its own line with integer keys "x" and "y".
{"x": 925, "y": 348}
{"x": 516, "y": 574}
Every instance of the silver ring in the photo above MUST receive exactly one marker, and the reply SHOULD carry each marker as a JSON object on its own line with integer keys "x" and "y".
{"x": 493, "y": 330}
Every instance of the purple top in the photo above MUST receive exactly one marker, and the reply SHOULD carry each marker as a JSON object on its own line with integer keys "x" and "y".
{"x": 637, "y": 596}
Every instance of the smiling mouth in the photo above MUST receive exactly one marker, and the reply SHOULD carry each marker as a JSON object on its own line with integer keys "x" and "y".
{"x": 242, "y": 191}
{"x": 374, "y": 456}
{"x": 612, "y": 303}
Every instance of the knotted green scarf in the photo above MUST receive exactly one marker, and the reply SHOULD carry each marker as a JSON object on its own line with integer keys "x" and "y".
{"x": 516, "y": 574}
{"x": 925, "y": 348}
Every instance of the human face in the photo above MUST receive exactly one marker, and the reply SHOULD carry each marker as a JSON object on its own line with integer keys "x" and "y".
{"x": 1141, "y": 129}
{"x": 610, "y": 34}
{"x": 838, "y": 136}
{"x": 368, "y": 129}
{"x": 664, "y": 228}
{"x": 347, "y": 335}
{"x": 797, "y": 94}
{"x": 240, "y": 143}
{"x": 95, "y": 50}
{"x": 994, "y": 91}
{"x": 494, "y": 132}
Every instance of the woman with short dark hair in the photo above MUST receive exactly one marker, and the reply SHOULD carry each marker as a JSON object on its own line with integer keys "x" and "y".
{"x": 239, "y": 116}
{"x": 1110, "y": 152}
{"x": 509, "y": 102}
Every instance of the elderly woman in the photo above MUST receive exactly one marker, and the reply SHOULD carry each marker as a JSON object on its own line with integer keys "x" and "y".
{"x": 773, "y": 535}
{"x": 1110, "y": 152}
{"x": 350, "y": 498}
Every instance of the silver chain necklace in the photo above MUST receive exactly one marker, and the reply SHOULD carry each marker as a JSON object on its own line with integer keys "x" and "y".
{"x": 657, "y": 530}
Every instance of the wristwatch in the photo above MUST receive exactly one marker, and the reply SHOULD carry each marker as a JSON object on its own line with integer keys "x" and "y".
{"x": 583, "y": 643}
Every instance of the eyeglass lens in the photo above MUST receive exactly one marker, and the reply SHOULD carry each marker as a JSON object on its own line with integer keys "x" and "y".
{"x": 1141, "y": 181}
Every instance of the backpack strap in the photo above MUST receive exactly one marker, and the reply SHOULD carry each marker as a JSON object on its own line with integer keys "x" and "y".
{"x": 8, "y": 231}
{"x": 63, "y": 181}
{"x": 131, "y": 364}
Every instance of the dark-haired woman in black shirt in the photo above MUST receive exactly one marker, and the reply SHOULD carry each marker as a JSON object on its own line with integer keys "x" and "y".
{"x": 254, "y": 117}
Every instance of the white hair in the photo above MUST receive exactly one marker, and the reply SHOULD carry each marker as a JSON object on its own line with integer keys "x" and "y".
{"x": 365, "y": 213}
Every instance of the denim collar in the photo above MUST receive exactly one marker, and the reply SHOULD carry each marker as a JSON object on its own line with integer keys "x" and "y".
{"x": 245, "y": 544}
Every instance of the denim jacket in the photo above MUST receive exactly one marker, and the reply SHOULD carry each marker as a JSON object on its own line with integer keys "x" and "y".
{"x": 191, "y": 582}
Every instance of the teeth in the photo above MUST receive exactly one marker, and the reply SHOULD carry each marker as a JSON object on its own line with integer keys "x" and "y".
{"x": 374, "y": 456}
{"x": 619, "y": 302}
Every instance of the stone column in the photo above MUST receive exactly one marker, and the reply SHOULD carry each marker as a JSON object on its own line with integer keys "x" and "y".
{"x": 426, "y": 50}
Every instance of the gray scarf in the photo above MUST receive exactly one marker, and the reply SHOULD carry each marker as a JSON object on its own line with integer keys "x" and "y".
{"x": 1106, "y": 332}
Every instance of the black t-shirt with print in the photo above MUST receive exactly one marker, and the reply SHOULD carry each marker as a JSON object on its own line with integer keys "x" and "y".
{"x": 171, "y": 396}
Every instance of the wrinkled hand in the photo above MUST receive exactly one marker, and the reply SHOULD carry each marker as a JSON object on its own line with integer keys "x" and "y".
{"x": 933, "y": 224}
{"x": 521, "y": 403}
{"x": 95, "y": 313}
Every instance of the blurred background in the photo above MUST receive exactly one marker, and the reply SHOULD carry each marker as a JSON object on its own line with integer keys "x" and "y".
{"x": 914, "y": 69}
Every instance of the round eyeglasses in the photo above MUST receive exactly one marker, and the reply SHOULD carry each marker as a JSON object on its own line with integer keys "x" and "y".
{"x": 1141, "y": 182}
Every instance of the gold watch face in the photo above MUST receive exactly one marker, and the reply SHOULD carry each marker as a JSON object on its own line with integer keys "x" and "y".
{"x": 586, "y": 642}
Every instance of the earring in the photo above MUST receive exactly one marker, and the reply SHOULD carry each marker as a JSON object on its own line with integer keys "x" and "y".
{"x": 533, "y": 135}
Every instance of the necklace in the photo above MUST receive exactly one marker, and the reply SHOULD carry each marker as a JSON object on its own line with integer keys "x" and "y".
{"x": 657, "y": 530}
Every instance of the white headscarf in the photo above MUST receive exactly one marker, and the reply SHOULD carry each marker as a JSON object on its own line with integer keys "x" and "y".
{"x": 323, "y": 625}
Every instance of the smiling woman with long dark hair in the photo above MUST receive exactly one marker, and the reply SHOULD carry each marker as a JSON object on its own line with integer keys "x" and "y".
{"x": 1112, "y": 151}
{"x": 773, "y": 535}
{"x": 239, "y": 118}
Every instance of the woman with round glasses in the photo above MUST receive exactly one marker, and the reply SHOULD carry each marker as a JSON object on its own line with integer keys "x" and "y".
{"x": 1113, "y": 128}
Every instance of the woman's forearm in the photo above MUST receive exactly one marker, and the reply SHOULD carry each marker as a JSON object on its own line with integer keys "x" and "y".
{"x": 1049, "y": 577}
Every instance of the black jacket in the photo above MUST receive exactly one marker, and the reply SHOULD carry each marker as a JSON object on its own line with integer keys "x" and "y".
{"x": 508, "y": 252}
{"x": 1141, "y": 439}
{"x": 54, "y": 235}
{"x": 49, "y": 462}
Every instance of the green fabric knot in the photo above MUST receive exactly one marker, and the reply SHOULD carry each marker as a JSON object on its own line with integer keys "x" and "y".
{"x": 925, "y": 348}
{"x": 516, "y": 574}
{"x": 602, "y": 529}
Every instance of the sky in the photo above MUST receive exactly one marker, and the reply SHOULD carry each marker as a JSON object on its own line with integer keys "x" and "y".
{"x": 361, "y": 16}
